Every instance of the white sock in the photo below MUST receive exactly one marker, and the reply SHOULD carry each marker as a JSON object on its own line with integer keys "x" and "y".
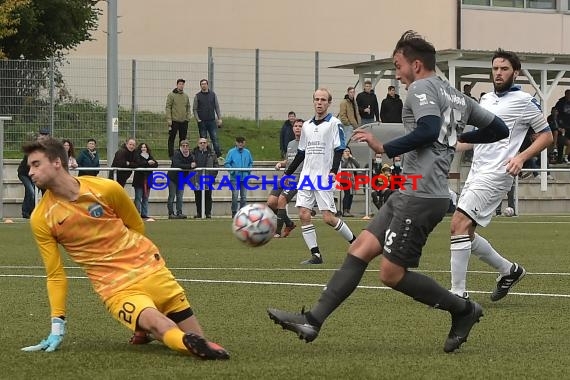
{"x": 486, "y": 253}
{"x": 310, "y": 236}
{"x": 460, "y": 251}
{"x": 344, "y": 230}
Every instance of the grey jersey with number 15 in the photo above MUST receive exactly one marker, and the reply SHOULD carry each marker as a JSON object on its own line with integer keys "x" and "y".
{"x": 434, "y": 96}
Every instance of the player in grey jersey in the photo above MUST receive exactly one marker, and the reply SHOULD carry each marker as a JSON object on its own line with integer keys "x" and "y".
{"x": 434, "y": 115}
{"x": 279, "y": 198}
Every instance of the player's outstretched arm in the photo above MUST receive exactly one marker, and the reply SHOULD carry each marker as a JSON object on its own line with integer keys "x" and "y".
{"x": 495, "y": 131}
{"x": 54, "y": 339}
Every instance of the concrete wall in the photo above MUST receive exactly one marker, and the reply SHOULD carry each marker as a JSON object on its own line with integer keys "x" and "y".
{"x": 536, "y": 31}
{"x": 183, "y": 29}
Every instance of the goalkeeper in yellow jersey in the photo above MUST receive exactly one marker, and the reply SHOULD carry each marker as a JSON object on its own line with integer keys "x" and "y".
{"x": 99, "y": 227}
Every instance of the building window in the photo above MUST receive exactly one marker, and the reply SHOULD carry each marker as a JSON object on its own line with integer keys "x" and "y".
{"x": 509, "y": 3}
{"x": 477, "y": 2}
{"x": 541, "y": 4}
{"x": 529, "y": 4}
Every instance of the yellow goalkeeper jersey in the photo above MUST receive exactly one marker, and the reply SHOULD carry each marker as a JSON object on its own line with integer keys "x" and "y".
{"x": 101, "y": 231}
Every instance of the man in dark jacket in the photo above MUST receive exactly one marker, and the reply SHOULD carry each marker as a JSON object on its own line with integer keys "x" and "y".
{"x": 287, "y": 135}
{"x": 89, "y": 158}
{"x": 391, "y": 108}
{"x": 368, "y": 104}
{"x": 125, "y": 157}
{"x": 182, "y": 159}
{"x": 204, "y": 157}
{"x": 207, "y": 112}
{"x": 563, "y": 108}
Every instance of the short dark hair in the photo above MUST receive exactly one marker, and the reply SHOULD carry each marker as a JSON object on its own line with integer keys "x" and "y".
{"x": 414, "y": 47}
{"x": 180, "y": 81}
{"x": 349, "y": 88}
{"x": 291, "y": 113}
{"x": 240, "y": 139}
{"x": 204, "y": 80}
{"x": 367, "y": 81}
{"x": 391, "y": 88}
{"x": 95, "y": 141}
{"x": 52, "y": 148}
{"x": 509, "y": 56}
{"x": 299, "y": 121}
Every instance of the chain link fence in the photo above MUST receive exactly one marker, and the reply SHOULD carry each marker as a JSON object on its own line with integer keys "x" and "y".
{"x": 70, "y": 98}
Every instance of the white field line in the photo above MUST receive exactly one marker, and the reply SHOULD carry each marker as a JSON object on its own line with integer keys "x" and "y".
{"x": 275, "y": 283}
{"x": 246, "y": 269}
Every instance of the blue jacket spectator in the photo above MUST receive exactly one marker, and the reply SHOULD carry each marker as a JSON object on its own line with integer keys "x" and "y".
{"x": 239, "y": 157}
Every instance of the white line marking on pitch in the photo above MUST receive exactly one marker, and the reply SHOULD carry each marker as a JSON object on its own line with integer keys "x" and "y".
{"x": 272, "y": 283}
{"x": 246, "y": 269}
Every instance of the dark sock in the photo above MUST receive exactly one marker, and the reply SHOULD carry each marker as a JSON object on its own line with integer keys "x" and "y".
{"x": 286, "y": 219}
{"x": 426, "y": 290}
{"x": 340, "y": 286}
{"x": 283, "y": 218}
{"x": 280, "y": 221}
{"x": 315, "y": 251}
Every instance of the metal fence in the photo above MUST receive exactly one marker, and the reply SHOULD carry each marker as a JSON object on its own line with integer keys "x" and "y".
{"x": 70, "y": 99}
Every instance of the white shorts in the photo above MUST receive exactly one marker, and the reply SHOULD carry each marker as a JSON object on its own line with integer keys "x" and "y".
{"x": 479, "y": 201}
{"x": 325, "y": 200}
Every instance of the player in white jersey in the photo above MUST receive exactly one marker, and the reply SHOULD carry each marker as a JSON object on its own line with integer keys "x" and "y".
{"x": 491, "y": 175}
{"x": 320, "y": 149}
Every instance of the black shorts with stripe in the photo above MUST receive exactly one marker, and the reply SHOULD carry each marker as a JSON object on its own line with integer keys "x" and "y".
{"x": 403, "y": 224}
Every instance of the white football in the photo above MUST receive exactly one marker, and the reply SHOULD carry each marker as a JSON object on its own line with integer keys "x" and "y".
{"x": 509, "y": 211}
{"x": 254, "y": 224}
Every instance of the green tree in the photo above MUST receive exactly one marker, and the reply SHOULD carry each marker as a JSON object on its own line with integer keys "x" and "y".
{"x": 48, "y": 28}
{"x": 31, "y": 32}
{"x": 8, "y": 20}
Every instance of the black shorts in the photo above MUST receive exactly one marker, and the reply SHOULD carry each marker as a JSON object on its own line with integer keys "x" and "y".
{"x": 403, "y": 224}
{"x": 288, "y": 194}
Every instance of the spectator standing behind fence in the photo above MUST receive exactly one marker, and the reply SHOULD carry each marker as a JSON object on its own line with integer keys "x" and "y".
{"x": 125, "y": 157}
{"x": 145, "y": 160}
{"x": 29, "y": 202}
{"x": 204, "y": 157}
{"x": 348, "y": 162}
{"x": 391, "y": 107}
{"x": 467, "y": 92}
{"x": 68, "y": 145}
{"x": 238, "y": 157}
{"x": 181, "y": 159}
{"x": 207, "y": 112}
{"x": 563, "y": 108}
{"x": 89, "y": 158}
{"x": 348, "y": 113}
{"x": 368, "y": 104}
{"x": 178, "y": 113}
{"x": 287, "y": 135}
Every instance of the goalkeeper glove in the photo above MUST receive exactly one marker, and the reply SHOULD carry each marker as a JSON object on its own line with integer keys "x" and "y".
{"x": 52, "y": 342}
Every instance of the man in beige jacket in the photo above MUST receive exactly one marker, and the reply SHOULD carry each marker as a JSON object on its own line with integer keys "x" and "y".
{"x": 348, "y": 113}
{"x": 178, "y": 113}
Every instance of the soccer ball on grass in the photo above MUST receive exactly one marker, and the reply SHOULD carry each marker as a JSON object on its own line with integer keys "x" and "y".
{"x": 509, "y": 211}
{"x": 254, "y": 224}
